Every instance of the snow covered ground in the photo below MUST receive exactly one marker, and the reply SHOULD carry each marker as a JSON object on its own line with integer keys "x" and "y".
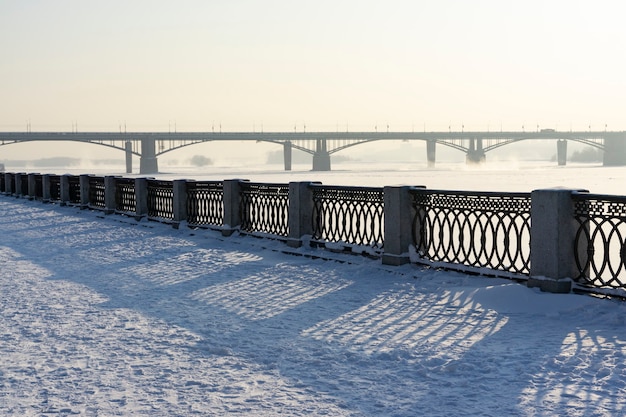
{"x": 103, "y": 316}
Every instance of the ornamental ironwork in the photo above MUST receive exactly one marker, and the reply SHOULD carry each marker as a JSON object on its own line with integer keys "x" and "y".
{"x": 125, "y": 200}
{"x": 482, "y": 230}
{"x": 352, "y": 215}
{"x": 96, "y": 192}
{"x": 73, "y": 183}
{"x": 264, "y": 208}
{"x": 600, "y": 242}
{"x": 205, "y": 203}
{"x": 55, "y": 187}
{"x": 161, "y": 199}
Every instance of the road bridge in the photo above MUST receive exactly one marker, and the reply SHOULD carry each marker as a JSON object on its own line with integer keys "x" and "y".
{"x": 148, "y": 146}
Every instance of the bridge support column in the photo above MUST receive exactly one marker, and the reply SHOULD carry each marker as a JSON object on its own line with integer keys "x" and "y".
{"x": 148, "y": 163}
{"x": 431, "y": 148}
{"x": 129, "y": 157}
{"x": 475, "y": 154}
{"x": 287, "y": 155}
{"x": 321, "y": 157}
{"x": 561, "y": 152}
{"x": 615, "y": 149}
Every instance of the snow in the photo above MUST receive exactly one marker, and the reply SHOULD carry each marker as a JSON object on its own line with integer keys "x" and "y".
{"x": 101, "y": 315}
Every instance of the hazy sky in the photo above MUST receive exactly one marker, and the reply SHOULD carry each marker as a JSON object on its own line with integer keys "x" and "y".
{"x": 326, "y": 63}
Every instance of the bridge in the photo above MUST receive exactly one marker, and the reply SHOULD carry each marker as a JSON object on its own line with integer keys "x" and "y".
{"x": 148, "y": 146}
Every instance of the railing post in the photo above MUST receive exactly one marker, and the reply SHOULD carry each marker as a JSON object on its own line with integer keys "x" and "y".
{"x": 300, "y": 213}
{"x": 18, "y": 184}
{"x": 141, "y": 197}
{"x": 109, "y": 194}
{"x": 552, "y": 230}
{"x": 45, "y": 188}
{"x": 84, "y": 190}
{"x": 32, "y": 186}
{"x": 232, "y": 217}
{"x": 64, "y": 186}
{"x": 9, "y": 185}
{"x": 179, "y": 205}
{"x": 398, "y": 222}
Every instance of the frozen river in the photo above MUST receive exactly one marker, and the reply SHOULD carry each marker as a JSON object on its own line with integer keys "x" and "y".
{"x": 500, "y": 176}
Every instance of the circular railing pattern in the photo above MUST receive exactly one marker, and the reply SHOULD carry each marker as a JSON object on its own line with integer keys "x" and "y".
{"x": 486, "y": 230}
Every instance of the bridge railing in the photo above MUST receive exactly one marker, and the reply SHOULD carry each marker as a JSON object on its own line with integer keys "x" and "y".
{"x": 551, "y": 237}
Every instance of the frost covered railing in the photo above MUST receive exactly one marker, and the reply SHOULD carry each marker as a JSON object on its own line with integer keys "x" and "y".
{"x": 550, "y": 237}
{"x": 600, "y": 242}
{"x": 205, "y": 203}
{"x": 352, "y": 215}
{"x": 479, "y": 230}
{"x": 264, "y": 208}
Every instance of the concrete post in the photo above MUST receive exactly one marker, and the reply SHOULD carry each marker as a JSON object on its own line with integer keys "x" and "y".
{"x": 109, "y": 194}
{"x": 84, "y": 190}
{"x": 232, "y": 216}
{"x": 64, "y": 189}
{"x": 300, "y": 212}
{"x": 553, "y": 230}
{"x": 398, "y": 225}
{"x": 9, "y": 184}
{"x": 141, "y": 197}
{"x": 18, "y": 184}
{"x": 45, "y": 187}
{"x": 561, "y": 152}
{"x": 179, "y": 205}
{"x": 32, "y": 186}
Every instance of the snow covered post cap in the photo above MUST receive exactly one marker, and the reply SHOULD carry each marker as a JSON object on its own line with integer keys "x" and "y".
{"x": 553, "y": 230}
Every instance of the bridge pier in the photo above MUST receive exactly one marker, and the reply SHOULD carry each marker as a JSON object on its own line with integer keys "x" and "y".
{"x": 129, "y": 156}
{"x": 475, "y": 154}
{"x": 321, "y": 157}
{"x": 287, "y": 155}
{"x": 614, "y": 149}
{"x": 148, "y": 163}
{"x": 431, "y": 148}
{"x": 561, "y": 152}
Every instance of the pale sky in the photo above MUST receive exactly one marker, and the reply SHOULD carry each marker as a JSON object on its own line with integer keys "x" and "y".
{"x": 326, "y": 64}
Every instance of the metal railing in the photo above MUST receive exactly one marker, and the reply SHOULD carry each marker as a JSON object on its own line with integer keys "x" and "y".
{"x": 74, "y": 189}
{"x": 96, "y": 192}
{"x": 55, "y": 187}
{"x": 353, "y": 215}
{"x": 161, "y": 199}
{"x": 600, "y": 243}
{"x": 205, "y": 203}
{"x": 125, "y": 200}
{"x": 264, "y": 208}
{"x": 482, "y": 230}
